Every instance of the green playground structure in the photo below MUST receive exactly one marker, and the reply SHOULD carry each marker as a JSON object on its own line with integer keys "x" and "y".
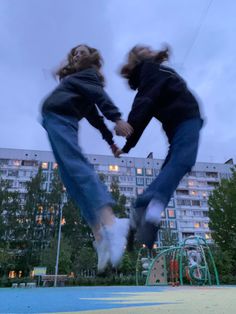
{"x": 189, "y": 263}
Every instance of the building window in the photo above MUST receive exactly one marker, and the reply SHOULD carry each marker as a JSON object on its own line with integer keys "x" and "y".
{"x": 193, "y": 193}
{"x": 44, "y": 165}
{"x": 163, "y": 223}
{"x": 195, "y": 203}
{"x": 197, "y": 225}
{"x": 148, "y": 181}
{"x": 40, "y": 209}
{"x": 171, "y": 203}
{"x": 16, "y": 163}
{"x": 163, "y": 214}
{"x": 139, "y": 181}
{"x": 207, "y": 236}
{"x": 211, "y": 174}
{"x": 139, "y": 190}
{"x": 54, "y": 165}
{"x": 139, "y": 171}
{"x": 171, "y": 213}
{"x": 184, "y": 202}
{"x": 12, "y": 173}
{"x": 172, "y": 224}
{"x": 182, "y": 192}
{"x": 205, "y": 225}
{"x": 149, "y": 172}
{"x": 191, "y": 182}
{"x": 114, "y": 168}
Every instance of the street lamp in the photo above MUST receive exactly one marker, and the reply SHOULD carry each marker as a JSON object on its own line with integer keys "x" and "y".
{"x": 59, "y": 237}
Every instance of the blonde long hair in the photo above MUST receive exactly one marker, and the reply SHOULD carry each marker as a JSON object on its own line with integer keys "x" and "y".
{"x": 93, "y": 60}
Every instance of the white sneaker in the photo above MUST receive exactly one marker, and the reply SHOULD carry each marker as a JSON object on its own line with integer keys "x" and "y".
{"x": 102, "y": 248}
{"x": 153, "y": 212}
{"x": 117, "y": 237}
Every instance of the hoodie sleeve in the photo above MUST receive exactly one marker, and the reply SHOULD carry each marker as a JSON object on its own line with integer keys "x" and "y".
{"x": 139, "y": 117}
{"x": 89, "y": 85}
{"x": 97, "y": 122}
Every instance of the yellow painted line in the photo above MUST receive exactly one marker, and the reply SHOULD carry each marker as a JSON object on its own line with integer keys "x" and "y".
{"x": 183, "y": 300}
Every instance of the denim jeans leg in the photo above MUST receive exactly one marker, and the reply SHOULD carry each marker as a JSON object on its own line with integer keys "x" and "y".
{"x": 180, "y": 159}
{"x": 78, "y": 175}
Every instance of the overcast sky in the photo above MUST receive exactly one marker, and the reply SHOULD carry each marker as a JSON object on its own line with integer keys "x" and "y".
{"x": 36, "y": 35}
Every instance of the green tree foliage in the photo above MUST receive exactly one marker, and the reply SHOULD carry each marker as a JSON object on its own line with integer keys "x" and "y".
{"x": 79, "y": 235}
{"x": 48, "y": 257}
{"x": 120, "y": 199}
{"x": 168, "y": 237}
{"x": 222, "y": 214}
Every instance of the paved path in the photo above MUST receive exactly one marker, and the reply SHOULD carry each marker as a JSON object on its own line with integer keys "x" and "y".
{"x": 119, "y": 300}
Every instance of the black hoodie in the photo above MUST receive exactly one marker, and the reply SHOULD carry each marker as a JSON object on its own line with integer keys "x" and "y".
{"x": 162, "y": 94}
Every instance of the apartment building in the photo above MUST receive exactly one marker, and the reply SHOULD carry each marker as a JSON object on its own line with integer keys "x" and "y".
{"x": 187, "y": 211}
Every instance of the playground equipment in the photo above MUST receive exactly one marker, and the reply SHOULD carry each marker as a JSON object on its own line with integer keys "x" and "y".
{"x": 189, "y": 263}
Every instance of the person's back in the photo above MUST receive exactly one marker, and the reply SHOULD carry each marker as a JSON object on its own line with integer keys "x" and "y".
{"x": 172, "y": 101}
{"x": 71, "y": 95}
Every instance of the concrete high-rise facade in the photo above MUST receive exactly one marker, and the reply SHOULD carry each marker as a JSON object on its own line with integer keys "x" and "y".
{"x": 187, "y": 211}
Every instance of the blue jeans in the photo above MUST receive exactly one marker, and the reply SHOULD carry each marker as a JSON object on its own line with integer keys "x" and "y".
{"x": 180, "y": 159}
{"x": 78, "y": 175}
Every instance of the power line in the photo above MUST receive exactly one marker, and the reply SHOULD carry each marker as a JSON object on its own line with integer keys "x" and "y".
{"x": 204, "y": 15}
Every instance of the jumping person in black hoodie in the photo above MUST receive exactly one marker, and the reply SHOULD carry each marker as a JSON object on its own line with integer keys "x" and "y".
{"x": 76, "y": 97}
{"x": 164, "y": 95}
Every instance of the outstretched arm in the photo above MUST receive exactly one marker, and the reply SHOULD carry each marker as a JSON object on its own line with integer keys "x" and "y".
{"x": 139, "y": 117}
{"x": 97, "y": 122}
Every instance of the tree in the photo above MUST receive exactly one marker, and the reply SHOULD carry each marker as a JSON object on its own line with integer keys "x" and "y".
{"x": 76, "y": 229}
{"x": 12, "y": 231}
{"x": 48, "y": 257}
{"x": 35, "y": 213}
{"x": 168, "y": 237}
{"x": 222, "y": 214}
{"x": 120, "y": 200}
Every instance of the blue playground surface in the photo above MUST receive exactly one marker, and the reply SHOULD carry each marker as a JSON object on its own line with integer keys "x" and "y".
{"x": 122, "y": 299}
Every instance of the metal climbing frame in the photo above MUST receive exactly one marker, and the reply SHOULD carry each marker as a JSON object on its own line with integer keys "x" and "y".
{"x": 189, "y": 263}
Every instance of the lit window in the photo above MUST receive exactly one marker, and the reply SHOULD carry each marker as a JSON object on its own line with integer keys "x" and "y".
{"x": 55, "y": 165}
{"x": 172, "y": 224}
{"x": 207, "y": 236}
{"x": 171, "y": 213}
{"x": 196, "y": 225}
{"x": 16, "y": 162}
{"x": 194, "y": 193}
{"x": 191, "y": 182}
{"x": 205, "y": 225}
{"x": 113, "y": 168}
{"x": 63, "y": 221}
{"x": 12, "y": 274}
{"x": 39, "y": 220}
{"x": 149, "y": 172}
{"x": 139, "y": 171}
{"x": 40, "y": 209}
{"x": 139, "y": 190}
{"x": 163, "y": 214}
{"x": 44, "y": 165}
